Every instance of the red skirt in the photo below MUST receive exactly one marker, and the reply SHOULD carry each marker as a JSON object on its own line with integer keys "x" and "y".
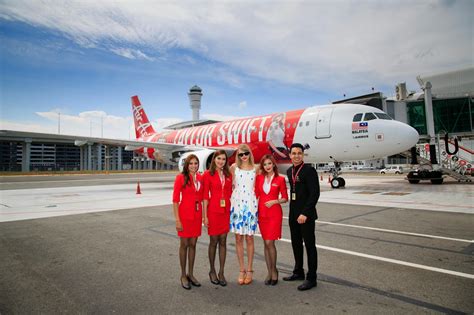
{"x": 191, "y": 228}
{"x": 270, "y": 227}
{"x": 219, "y": 223}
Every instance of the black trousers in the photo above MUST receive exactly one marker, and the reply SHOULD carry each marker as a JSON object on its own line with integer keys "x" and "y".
{"x": 304, "y": 233}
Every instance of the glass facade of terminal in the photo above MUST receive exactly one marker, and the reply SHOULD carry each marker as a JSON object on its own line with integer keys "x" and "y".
{"x": 52, "y": 157}
{"x": 453, "y": 115}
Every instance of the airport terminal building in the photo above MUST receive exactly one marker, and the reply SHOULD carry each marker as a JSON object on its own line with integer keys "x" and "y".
{"x": 453, "y": 98}
{"x": 29, "y": 151}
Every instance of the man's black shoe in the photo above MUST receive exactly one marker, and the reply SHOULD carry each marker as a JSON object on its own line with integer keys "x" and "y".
{"x": 293, "y": 277}
{"x": 307, "y": 284}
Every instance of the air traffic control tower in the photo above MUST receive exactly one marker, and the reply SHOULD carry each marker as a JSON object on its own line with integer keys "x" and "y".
{"x": 195, "y": 94}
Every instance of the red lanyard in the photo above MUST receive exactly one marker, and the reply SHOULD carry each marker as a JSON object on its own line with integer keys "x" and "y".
{"x": 293, "y": 176}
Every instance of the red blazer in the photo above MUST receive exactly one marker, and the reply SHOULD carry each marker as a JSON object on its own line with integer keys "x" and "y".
{"x": 278, "y": 186}
{"x": 188, "y": 196}
{"x": 213, "y": 192}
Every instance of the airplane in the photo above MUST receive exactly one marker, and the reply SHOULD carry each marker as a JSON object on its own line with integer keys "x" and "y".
{"x": 330, "y": 133}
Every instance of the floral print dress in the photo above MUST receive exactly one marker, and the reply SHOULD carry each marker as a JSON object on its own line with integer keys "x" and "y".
{"x": 244, "y": 206}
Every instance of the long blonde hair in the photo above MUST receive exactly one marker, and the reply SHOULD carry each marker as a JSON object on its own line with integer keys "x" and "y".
{"x": 244, "y": 148}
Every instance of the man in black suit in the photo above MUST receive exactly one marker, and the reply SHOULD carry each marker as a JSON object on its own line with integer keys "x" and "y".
{"x": 304, "y": 195}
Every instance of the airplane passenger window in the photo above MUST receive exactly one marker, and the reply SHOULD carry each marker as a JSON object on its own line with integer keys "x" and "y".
{"x": 301, "y": 124}
{"x": 383, "y": 116}
{"x": 357, "y": 117}
{"x": 369, "y": 116}
{"x": 307, "y": 123}
{"x": 288, "y": 126}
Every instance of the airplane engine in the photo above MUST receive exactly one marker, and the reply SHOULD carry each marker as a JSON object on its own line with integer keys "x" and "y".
{"x": 158, "y": 156}
{"x": 204, "y": 157}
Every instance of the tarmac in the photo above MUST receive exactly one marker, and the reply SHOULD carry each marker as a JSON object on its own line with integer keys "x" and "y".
{"x": 90, "y": 244}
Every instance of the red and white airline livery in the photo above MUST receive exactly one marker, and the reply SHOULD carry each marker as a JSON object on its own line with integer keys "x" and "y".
{"x": 330, "y": 133}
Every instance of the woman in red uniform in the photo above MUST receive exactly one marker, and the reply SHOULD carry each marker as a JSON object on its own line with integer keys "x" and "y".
{"x": 270, "y": 189}
{"x": 217, "y": 191}
{"x": 187, "y": 207}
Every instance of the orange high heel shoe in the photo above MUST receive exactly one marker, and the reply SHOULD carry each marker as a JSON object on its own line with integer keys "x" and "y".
{"x": 248, "y": 277}
{"x": 242, "y": 275}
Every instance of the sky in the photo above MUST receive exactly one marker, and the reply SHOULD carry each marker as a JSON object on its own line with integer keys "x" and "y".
{"x": 79, "y": 62}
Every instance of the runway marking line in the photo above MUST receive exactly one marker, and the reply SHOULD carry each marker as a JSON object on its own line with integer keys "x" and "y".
{"x": 394, "y": 231}
{"x": 425, "y": 204}
{"x": 390, "y": 260}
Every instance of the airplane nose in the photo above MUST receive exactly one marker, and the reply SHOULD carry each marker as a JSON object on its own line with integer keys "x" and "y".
{"x": 409, "y": 136}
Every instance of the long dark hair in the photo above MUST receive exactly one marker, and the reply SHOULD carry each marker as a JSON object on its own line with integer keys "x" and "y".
{"x": 271, "y": 158}
{"x": 185, "y": 171}
{"x": 213, "y": 167}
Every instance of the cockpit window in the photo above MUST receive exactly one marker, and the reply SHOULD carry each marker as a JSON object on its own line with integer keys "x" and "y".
{"x": 357, "y": 117}
{"x": 383, "y": 116}
{"x": 369, "y": 116}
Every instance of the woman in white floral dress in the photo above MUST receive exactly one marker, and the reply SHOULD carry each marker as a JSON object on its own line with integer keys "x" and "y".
{"x": 243, "y": 211}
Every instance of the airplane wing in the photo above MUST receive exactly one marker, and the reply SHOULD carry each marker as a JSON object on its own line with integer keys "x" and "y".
{"x": 130, "y": 145}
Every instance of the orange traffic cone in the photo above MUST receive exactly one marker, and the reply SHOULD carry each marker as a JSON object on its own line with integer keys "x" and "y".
{"x": 139, "y": 192}
{"x": 321, "y": 178}
{"x": 329, "y": 179}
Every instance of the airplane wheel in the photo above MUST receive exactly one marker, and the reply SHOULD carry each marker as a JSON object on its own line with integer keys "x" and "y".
{"x": 336, "y": 182}
{"x": 437, "y": 181}
{"x": 413, "y": 181}
{"x": 343, "y": 181}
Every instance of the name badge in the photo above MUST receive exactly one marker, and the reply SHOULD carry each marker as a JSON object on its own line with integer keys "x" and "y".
{"x": 223, "y": 203}
{"x": 293, "y": 196}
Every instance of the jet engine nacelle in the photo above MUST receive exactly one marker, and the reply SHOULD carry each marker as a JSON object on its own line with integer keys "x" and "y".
{"x": 204, "y": 157}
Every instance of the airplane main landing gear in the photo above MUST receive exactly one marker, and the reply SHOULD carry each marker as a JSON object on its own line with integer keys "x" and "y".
{"x": 337, "y": 182}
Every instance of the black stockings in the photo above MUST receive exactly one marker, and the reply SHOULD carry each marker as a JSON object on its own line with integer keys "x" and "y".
{"x": 270, "y": 259}
{"x": 215, "y": 240}
{"x": 187, "y": 249}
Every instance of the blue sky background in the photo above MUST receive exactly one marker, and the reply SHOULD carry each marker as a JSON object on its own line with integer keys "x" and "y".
{"x": 85, "y": 59}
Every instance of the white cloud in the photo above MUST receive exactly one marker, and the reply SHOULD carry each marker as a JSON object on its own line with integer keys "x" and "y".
{"x": 131, "y": 53}
{"x": 28, "y": 126}
{"x": 339, "y": 45}
{"x": 90, "y": 123}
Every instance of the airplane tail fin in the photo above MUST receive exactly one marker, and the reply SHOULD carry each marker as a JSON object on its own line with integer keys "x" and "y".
{"x": 143, "y": 126}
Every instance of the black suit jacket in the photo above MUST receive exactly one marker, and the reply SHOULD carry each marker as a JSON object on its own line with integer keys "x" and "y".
{"x": 307, "y": 192}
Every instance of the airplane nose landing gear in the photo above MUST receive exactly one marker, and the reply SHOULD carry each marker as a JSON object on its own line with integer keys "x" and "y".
{"x": 337, "y": 182}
